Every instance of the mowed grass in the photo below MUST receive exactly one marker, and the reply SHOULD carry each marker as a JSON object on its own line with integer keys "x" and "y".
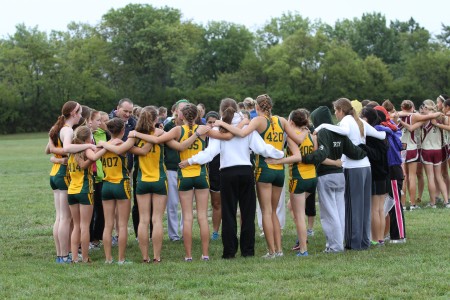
{"x": 418, "y": 269}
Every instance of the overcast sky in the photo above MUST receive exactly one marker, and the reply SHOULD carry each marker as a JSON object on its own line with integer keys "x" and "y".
{"x": 56, "y": 14}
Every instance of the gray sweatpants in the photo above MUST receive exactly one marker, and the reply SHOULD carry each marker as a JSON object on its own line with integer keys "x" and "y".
{"x": 358, "y": 190}
{"x": 331, "y": 189}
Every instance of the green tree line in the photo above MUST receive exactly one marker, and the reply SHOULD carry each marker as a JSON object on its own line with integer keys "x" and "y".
{"x": 152, "y": 56}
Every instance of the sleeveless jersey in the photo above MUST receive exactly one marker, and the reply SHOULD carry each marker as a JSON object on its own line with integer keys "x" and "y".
{"x": 114, "y": 167}
{"x": 196, "y": 147}
{"x": 432, "y": 137}
{"x": 58, "y": 168}
{"x": 151, "y": 165}
{"x": 81, "y": 181}
{"x": 408, "y": 138}
{"x": 272, "y": 136}
{"x": 299, "y": 169}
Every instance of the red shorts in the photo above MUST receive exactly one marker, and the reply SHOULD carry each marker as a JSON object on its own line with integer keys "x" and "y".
{"x": 432, "y": 157}
{"x": 412, "y": 156}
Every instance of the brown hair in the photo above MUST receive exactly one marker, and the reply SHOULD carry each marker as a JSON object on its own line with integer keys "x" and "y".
{"x": 387, "y": 104}
{"x": 265, "y": 103}
{"x": 66, "y": 111}
{"x": 147, "y": 118}
{"x": 80, "y": 135}
{"x": 228, "y": 107}
{"x": 299, "y": 117}
{"x": 190, "y": 113}
{"x": 344, "y": 105}
{"x": 407, "y": 105}
{"x": 115, "y": 126}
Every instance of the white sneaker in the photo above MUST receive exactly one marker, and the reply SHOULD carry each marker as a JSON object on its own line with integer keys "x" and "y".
{"x": 310, "y": 232}
{"x": 269, "y": 255}
{"x": 279, "y": 254}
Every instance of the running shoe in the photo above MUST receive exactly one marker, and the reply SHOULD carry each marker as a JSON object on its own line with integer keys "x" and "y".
{"x": 188, "y": 259}
{"x": 269, "y": 255}
{"x": 279, "y": 254}
{"x": 205, "y": 258}
{"x": 310, "y": 232}
{"x": 215, "y": 236}
{"x": 296, "y": 246}
{"x": 124, "y": 262}
{"x": 399, "y": 241}
{"x": 299, "y": 254}
{"x": 109, "y": 262}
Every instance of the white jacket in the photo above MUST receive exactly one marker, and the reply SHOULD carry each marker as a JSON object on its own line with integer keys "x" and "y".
{"x": 235, "y": 152}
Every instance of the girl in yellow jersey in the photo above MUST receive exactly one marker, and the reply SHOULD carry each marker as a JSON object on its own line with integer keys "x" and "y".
{"x": 60, "y": 144}
{"x": 269, "y": 178}
{"x": 188, "y": 140}
{"x": 303, "y": 179}
{"x": 116, "y": 190}
{"x": 81, "y": 191}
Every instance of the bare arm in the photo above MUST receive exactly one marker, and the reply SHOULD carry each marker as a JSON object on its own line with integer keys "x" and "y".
{"x": 51, "y": 148}
{"x": 67, "y": 136}
{"x": 412, "y": 127}
{"x": 174, "y": 133}
{"x": 295, "y": 157}
{"x": 201, "y": 131}
{"x": 118, "y": 149}
{"x": 55, "y": 160}
{"x": 252, "y": 126}
{"x": 298, "y": 138}
{"x": 91, "y": 155}
{"x": 141, "y": 150}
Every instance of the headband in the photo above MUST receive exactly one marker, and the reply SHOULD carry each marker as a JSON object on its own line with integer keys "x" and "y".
{"x": 76, "y": 108}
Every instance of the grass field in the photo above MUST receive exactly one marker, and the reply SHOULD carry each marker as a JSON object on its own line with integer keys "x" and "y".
{"x": 418, "y": 269}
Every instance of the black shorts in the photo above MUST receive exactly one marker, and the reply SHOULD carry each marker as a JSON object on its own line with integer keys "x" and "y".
{"x": 379, "y": 187}
{"x": 310, "y": 205}
{"x": 214, "y": 174}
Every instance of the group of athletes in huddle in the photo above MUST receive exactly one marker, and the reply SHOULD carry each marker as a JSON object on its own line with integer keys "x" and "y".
{"x": 101, "y": 162}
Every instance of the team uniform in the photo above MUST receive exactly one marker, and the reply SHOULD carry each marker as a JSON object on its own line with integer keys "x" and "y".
{"x": 151, "y": 177}
{"x": 410, "y": 139}
{"x": 116, "y": 184}
{"x": 59, "y": 175}
{"x": 193, "y": 176}
{"x": 432, "y": 145}
{"x": 81, "y": 187}
{"x": 303, "y": 176}
{"x": 274, "y": 136}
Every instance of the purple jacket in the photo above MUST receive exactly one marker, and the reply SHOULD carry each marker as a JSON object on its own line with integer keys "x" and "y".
{"x": 395, "y": 145}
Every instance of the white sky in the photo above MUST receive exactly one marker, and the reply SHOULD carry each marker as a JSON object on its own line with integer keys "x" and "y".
{"x": 56, "y": 14}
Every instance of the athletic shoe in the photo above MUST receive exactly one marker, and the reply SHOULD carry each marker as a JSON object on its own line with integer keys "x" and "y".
{"x": 387, "y": 238}
{"x": 94, "y": 246}
{"x": 156, "y": 261}
{"x": 124, "y": 262}
{"x": 380, "y": 243}
{"x": 399, "y": 241}
{"x": 58, "y": 259}
{"x": 447, "y": 205}
{"x": 296, "y": 246}
{"x": 188, "y": 259}
{"x": 261, "y": 234}
{"x": 269, "y": 255}
{"x": 65, "y": 260}
{"x": 109, "y": 262}
{"x": 373, "y": 243}
{"x": 279, "y": 254}
{"x": 205, "y": 258}
{"x": 310, "y": 232}
{"x": 413, "y": 207}
{"x": 431, "y": 205}
{"x": 215, "y": 236}
{"x": 115, "y": 241}
{"x": 299, "y": 254}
